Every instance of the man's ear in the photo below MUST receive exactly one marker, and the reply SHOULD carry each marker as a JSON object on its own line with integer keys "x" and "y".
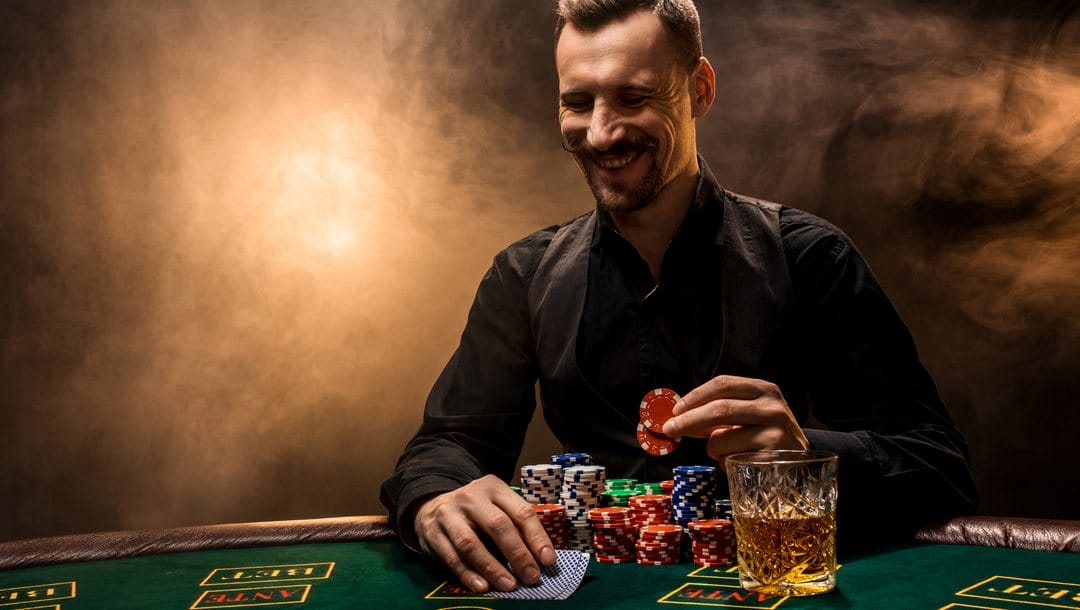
{"x": 702, "y": 88}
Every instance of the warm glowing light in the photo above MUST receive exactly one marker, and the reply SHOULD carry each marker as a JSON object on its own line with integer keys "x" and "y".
{"x": 321, "y": 192}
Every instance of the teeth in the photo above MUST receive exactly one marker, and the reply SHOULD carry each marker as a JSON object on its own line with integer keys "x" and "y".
{"x": 617, "y": 163}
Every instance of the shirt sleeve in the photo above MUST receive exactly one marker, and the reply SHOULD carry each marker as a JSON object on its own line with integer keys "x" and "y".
{"x": 903, "y": 463}
{"x": 477, "y": 413}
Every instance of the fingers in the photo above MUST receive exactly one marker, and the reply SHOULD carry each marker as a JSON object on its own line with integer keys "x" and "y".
{"x": 528, "y": 529}
{"x": 728, "y": 441}
{"x": 464, "y": 554}
{"x": 724, "y": 386}
{"x": 452, "y": 526}
{"x": 737, "y": 414}
{"x": 700, "y": 422}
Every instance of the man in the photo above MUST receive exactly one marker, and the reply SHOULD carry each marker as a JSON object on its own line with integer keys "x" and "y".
{"x": 760, "y": 315}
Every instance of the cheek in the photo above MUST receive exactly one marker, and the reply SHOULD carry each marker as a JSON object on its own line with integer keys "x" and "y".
{"x": 572, "y": 128}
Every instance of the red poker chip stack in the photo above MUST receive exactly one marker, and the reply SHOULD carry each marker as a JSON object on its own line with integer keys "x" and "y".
{"x": 613, "y": 534}
{"x": 655, "y": 409}
{"x": 668, "y": 487}
{"x": 650, "y": 510}
{"x": 553, "y": 518}
{"x": 713, "y": 542}
{"x": 658, "y": 545}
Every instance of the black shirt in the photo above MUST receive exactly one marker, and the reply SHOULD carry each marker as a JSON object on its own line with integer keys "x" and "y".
{"x": 860, "y": 379}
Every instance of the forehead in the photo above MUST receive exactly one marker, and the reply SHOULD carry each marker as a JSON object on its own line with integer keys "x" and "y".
{"x": 628, "y": 50}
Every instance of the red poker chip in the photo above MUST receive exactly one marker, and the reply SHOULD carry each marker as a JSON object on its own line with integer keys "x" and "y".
{"x": 712, "y": 552}
{"x": 612, "y": 526}
{"x": 655, "y": 546}
{"x": 667, "y": 529}
{"x": 649, "y": 499}
{"x": 655, "y": 444}
{"x": 646, "y": 562}
{"x": 603, "y": 512}
{"x": 665, "y": 540}
{"x": 615, "y": 557}
{"x": 655, "y": 408}
{"x": 658, "y": 554}
{"x": 621, "y": 552}
{"x": 606, "y": 545}
{"x": 713, "y": 543}
{"x": 720, "y": 551}
{"x": 707, "y": 525}
{"x": 717, "y": 536}
{"x": 651, "y": 522}
{"x": 610, "y": 521}
{"x": 614, "y": 534}
{"x": 657, "y": 550}
{"x": 610, "y": 534}
{"x": 713, "y": 535}
{"x": 658, "y": 560}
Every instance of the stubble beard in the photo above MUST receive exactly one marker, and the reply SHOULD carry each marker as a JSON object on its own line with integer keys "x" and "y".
{"x": 621, "y": 198}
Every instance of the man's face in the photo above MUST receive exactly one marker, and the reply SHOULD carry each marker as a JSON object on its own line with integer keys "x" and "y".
{"x": 624, "y": 110}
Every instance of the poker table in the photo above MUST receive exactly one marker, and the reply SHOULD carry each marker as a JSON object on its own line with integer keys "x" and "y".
{"x": 356, "y": 562}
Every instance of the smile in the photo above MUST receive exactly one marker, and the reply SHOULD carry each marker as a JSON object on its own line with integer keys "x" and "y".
{"x": 618, "y": 162}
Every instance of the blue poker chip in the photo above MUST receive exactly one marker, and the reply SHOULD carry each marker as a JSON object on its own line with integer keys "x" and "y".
{"x": 570, "y": 456}
{"x": 693, "y": 469}
{"x": 694, "y": 498}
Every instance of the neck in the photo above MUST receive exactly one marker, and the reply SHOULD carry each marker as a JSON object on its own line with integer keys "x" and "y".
{"x": 652, "y": 228}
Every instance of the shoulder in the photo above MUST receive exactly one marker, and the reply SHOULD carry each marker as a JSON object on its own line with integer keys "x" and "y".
{"x": 523, "y": 257}
{"x": 810, "y": 238}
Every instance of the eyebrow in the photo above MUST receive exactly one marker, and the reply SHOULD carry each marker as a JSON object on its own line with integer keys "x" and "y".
{"x": 636, "y": 87}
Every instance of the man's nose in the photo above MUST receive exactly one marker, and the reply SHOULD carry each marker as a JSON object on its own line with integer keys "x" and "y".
{"x": 605, "y": 127}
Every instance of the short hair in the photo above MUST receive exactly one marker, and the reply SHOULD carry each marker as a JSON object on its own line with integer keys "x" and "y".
{"x": 679, "y": 17}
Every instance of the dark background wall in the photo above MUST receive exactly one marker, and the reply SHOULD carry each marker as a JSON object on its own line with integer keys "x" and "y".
{"x": 238, "y": 239}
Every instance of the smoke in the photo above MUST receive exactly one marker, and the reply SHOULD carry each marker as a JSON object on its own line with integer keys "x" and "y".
{"x": 243, "y": 238}
{"x": 943, "y": 138}
{"x": 239, "y": 239}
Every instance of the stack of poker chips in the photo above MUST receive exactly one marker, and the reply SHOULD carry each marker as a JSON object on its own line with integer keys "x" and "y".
{"x": 653, "y": 509}
{"x": 553, "y": 518}
{"x": 650, "y": 489}
{"x": 613, "y": 534}
{"x": 723, "y": 508}
{"x": 692, "y": 494}
{"x": 620, "y": 497}
{"x": 541, "y": 483}
{"x": 619, "y": 484}
{"x": 582, "y": 489}
{"x": 713, "y": 542}
{"x": 567, "y": 460}
{"x": 618, "y": 491}
{"x": 659, "y": 545}
{"x": 667, "y": 486}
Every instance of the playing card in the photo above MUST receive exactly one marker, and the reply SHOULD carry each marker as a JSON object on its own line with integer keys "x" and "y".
{"x": 556, "y": 582}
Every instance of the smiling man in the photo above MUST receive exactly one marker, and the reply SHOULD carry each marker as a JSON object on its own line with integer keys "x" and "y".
{"x": 763, "y": 317}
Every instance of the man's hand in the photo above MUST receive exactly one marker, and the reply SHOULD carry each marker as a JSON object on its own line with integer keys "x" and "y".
{"x": 737, "y": 414}
{"x": 447, "y": 527}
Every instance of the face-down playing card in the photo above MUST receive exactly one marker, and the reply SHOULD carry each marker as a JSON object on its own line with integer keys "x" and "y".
{"x": 556, "y": 582}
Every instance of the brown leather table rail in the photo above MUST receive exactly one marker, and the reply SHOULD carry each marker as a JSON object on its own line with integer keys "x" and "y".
{"x": 1012, "y": 532}
{"x": 115, "y": 545}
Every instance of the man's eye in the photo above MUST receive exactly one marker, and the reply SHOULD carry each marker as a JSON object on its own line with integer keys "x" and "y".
{"x": 576, "y": 105}
{"x": 633, "y": 100}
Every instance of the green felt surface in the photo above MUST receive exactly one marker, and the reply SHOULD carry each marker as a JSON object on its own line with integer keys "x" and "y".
{"x": 383, "y": 575}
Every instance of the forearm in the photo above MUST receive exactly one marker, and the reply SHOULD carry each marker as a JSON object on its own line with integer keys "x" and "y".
{"x": 891, "y": 484}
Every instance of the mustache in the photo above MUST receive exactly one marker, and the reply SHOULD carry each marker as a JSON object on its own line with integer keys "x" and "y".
{"x": 619, "y": 148}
